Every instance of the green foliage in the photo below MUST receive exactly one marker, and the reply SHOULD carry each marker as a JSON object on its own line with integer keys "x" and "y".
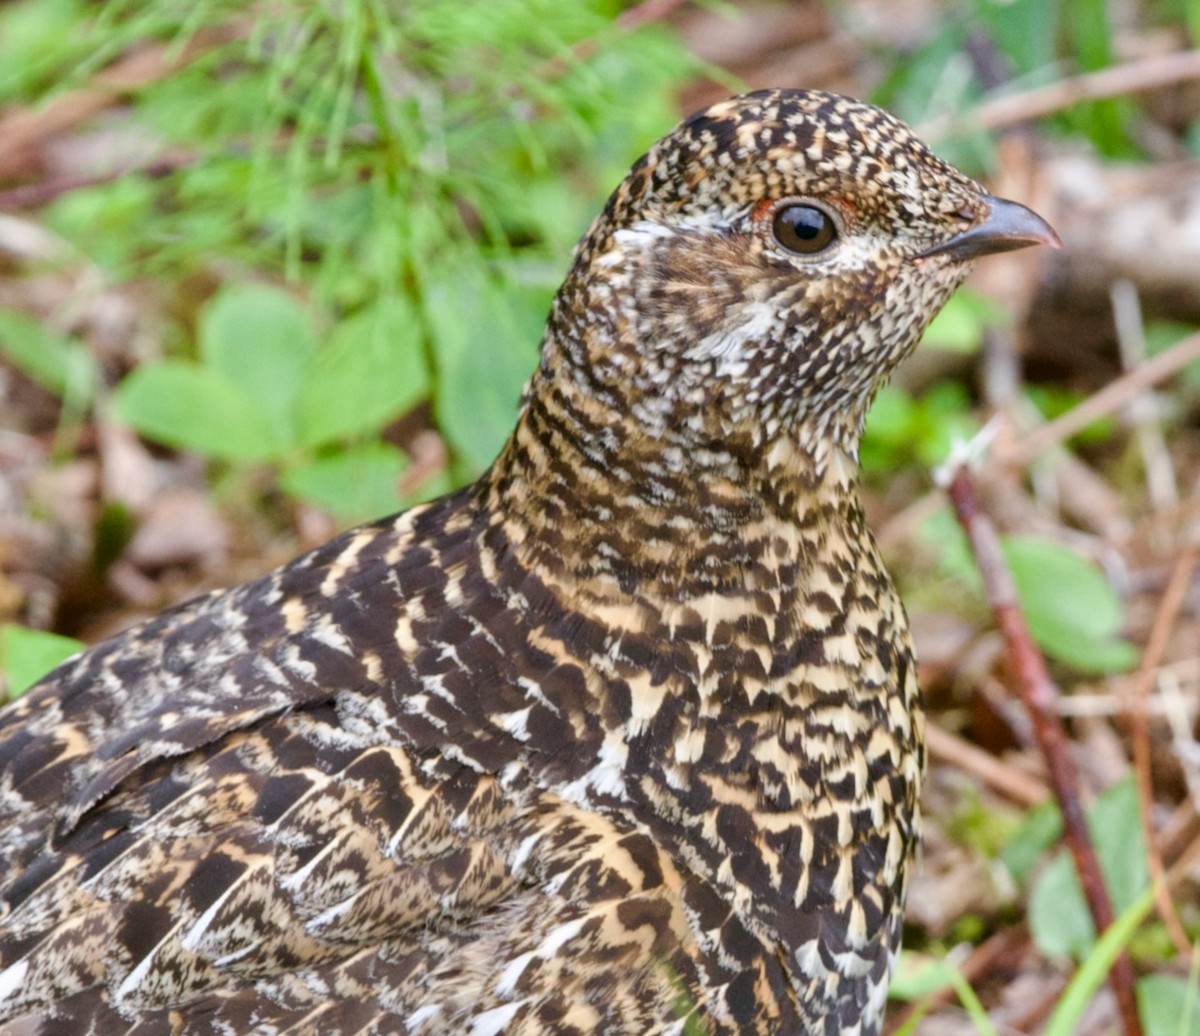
{"x": 263, "y": 390}
{"x": 1040, "y": 828}
{"x": 1095, "y": 968}
{"x": 1036, "y": 41}
{"x": 418, "y": 170}
{"x": 59, "y": 364}
{"x": 1058, "y": 916}
{"x": 1160, "y": 336}
{"x": 353, "y": 483}
{"x": 31, "y": 43}
{"x": 902, "y": 429}
{"x": 1052, "y": 401}
{"x": 960, "y": 325}
{"x": 27, "y": 655}
{"x": 1072, "y": 610}
{"x": 479, "y": 380}
{"x": 919, "y": 978}
{"x": 1170, "y": 1006}
{"x": 981, "y": 826}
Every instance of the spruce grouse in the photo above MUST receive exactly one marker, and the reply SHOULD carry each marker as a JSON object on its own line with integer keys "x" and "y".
{"x": 622, "y": 738}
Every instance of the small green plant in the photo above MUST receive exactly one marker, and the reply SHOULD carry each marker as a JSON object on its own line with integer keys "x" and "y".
{"x": 1073, "y": 611}
{"x": 920, "y": 977}
{"x": 417, "y": 171}
{"x": 1169, "y": 1005}
{"x": 902, "y": 429}
{"x": 27, "y": 655}
{"x": 1033, "y": 42}
{"x": 263, "y": 390}
{"x": 1058, "y": 916}
{"x": 59, "y": 364}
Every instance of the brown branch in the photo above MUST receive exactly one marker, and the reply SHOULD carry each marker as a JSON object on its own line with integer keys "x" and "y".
{"x": 1040, "y": 695}
{"x": 32, "y": 195}
{"x": 646, "y": 12}
{"x": 1007, "y": 780}
{"x": 1139, "y": 731}
{"x": 1107, "y": 401}
{"x": 997, "y": 113}
{"x": 25, "y": 128}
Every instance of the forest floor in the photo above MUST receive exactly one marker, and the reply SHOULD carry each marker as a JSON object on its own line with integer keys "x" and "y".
{"x": 1085, "y": 369}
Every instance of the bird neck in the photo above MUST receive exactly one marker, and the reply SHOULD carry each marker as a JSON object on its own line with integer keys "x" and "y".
{"x": 595, "y": 493}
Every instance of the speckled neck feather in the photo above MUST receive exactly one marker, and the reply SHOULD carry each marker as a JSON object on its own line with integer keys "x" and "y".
{"x": 623, "y": 738}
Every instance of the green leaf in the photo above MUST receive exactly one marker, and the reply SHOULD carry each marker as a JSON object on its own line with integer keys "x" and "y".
{"x": 1169, "y": 1006}
{"x": 1072, "y": 610}
{"x": 1053, "y": 401}
{"x": 56, "y": 363}
{"x": 960, "y": 324}
{"x": 371, "y": 370}
{"x": 27, "y": 655}
{"x": 357, "y": 484}
{"x": 1040, "y": 828}
{"x": 32, "y": 35}
{"x": 1080, "y": 990}
{"x": 196, "y": 408}
{"x": 1058, "y": 915}
{"x": 260, "y": 339}
{"x": 889, "y": 429}
{"x": 1162, "y": 334}
{"x": 484, "y": 337}
{"x": 919, "y": 976}
{"x": 943, "y": 418}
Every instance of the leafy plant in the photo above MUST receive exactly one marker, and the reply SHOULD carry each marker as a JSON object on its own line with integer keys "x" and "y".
{"x": 1095, "y": 968}
{"x": 1030, "y": 42}
{"x": 57, "y": 363}
{"x": 416, "y": 170}
{"x": 1074, "y": 614}
{"x": 27, "y": 655}
{"x": 902, "y": 429}
{"x": 263, "y": 390}
{"x": 1072, "y": 609}
{"x": 1170, "y": 1006}
{"x": 1058, "y": 916}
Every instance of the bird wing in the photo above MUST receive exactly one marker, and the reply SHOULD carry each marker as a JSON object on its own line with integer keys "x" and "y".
{"x": 300, "y": 804}
{"x": 247, "y": 885}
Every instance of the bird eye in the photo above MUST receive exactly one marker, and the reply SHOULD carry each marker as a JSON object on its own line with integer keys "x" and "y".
{"x": 804, "y": 229}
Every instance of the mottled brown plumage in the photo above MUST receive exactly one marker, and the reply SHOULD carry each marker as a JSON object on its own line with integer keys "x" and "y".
{"x": 623, "y": 738}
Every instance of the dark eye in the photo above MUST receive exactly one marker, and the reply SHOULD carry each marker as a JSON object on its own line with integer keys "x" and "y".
{"x": 804, "y": 229}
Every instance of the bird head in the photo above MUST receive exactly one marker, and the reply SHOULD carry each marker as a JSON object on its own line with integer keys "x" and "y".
{"x": 765, "y": 265}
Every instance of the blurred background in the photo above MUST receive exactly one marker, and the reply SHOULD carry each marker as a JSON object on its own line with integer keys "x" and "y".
{"x": 268, "y": 269}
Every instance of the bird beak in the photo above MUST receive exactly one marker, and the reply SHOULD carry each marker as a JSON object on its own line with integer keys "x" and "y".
{"x": 1008, "y": 225}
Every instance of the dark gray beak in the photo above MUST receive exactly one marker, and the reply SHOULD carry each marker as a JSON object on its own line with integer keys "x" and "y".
{"x": 1007, "y": 226}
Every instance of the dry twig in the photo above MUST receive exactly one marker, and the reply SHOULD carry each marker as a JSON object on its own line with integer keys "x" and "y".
{"x": 996, "y": 113}
{"x": 1139, "y": 730}
{"x": 1107, "y": 401}
{"x": 1007, "y": 780}
{"x": 41, "y": 192}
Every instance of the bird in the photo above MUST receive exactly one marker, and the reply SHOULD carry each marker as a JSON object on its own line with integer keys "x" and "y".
{"x": 624, "y": 737}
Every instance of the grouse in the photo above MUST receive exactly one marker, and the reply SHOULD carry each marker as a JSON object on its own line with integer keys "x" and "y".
{"x": 622, "y": 738}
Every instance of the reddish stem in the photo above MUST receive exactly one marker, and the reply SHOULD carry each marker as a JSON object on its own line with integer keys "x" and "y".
{"x": 1041, "y": 695}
